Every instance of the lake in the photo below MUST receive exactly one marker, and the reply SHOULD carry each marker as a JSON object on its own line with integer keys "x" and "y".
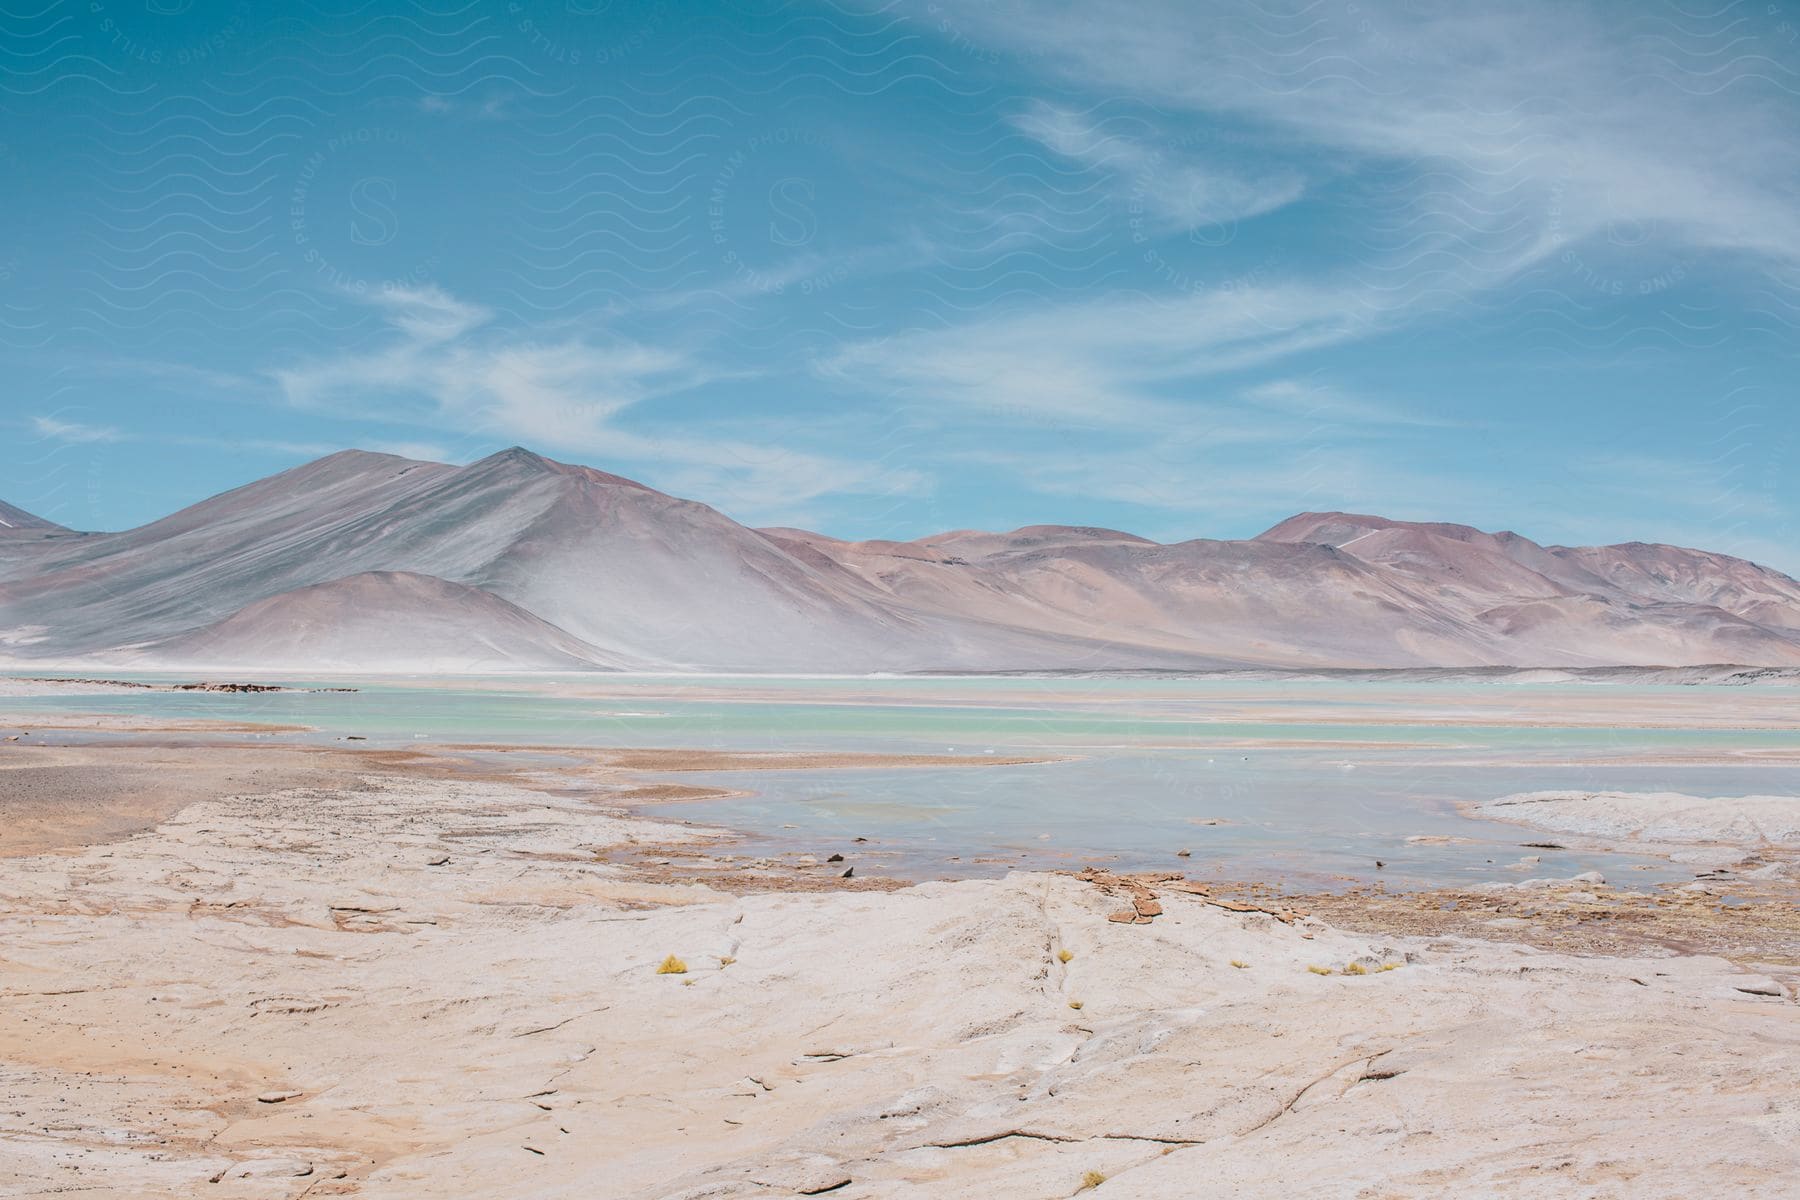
{"x": 1306, "y": 782}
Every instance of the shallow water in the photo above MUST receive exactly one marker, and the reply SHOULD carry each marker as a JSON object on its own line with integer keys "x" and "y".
{"x": 1307, "y": 781}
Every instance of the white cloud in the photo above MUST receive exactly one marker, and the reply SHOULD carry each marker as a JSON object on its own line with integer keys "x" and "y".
{"x": 1179, "y": 186}
{"x": 1522, "y": 127}
{"x": 445, "y": 362}
{"x": 1467, "y": 145}
{"x": 1323, "y": 402}
{"x": 446, "y": 366}
{"x": 1113, "y": 361}
{"x": 1203, "y": 489}
{"x": 74, "y": 431}
{"x": 429, "y": 314}
{"x": 185, "y": 375}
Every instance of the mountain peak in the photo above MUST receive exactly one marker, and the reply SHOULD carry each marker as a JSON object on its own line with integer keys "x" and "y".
{"x": 524, "y": 457}
{"x": 528, "y": 462}
{"x": 359, "y": 460}
{"x": 1326, "y": 528}
{"x": 1340, "y": 528}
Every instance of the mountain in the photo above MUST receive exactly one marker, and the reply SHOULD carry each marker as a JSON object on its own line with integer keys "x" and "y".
{"x": 637, "y": 576}
{"x": 17, "y": 519}
{"x": 1198, "y": 603}
{"x": 368, "y": 561}
{"x": 21, "y": 534}
{"x": 1623, "y": 602}
{"x": 407, "y": 622}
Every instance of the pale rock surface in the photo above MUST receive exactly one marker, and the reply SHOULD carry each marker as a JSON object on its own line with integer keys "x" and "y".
{"x": 495, "y": 1027}
{"x": 1660, "y": 818}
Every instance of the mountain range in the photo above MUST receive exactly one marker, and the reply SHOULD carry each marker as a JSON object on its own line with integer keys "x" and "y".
{"x": 363, "y": 561}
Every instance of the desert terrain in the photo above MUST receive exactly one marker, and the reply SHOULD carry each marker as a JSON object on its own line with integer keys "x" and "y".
{"x": 244, "y": 967}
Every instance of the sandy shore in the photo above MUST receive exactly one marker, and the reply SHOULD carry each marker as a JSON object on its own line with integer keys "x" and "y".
{"x": 409, "y": 976}
{"x": 53, "y": 797}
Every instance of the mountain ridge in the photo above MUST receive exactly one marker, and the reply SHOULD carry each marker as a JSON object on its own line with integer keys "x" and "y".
{"x": 17, "y": 519}
{"x": 531, "y": 561}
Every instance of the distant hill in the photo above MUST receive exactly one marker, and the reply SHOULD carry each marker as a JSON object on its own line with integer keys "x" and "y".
{"x": 368, "y": 561}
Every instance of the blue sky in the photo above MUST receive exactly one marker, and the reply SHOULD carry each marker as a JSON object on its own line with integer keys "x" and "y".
{"x": 886, "y": 269}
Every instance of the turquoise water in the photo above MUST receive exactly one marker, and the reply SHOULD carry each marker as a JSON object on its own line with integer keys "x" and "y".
{"x": 1307, "y": 781}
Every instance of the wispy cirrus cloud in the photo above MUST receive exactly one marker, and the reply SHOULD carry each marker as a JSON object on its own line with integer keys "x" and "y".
{"x": 1478, "y": 143}
{"x": 1570, "y": 119}
{"x": 1111, "y": 361}
{"x": 446, "y": 365}
{"x": 442, "y": 361}
{"x": 1450, "y": 160}
{"x": 1186, "y": 491}
{"x": 1315, "y": 399}
{"x": 1178, "y": 185}
{"x": 76, "y": 432}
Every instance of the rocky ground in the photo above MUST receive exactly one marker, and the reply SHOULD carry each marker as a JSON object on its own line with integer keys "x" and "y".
{"x": 399, "y": 984}
{"x": 1743, "y": 902}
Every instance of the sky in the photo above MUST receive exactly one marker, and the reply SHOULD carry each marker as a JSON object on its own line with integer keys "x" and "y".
{"x": 885, "y": 269}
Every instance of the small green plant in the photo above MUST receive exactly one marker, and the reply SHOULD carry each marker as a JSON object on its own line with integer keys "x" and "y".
{"x": 672, "y": 966}
{"x": 1239, "y": 963}
{"x": 1390, "y": 966}
{"x": 1064, "y": 955}
{"x": 1355, "y": 969}
{"x": 1320, "y": 970}
{"x": 1075, "y": 1004}
{"x": 1091, "y": 1179}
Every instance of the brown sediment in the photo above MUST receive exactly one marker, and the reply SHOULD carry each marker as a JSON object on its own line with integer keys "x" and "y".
{"x": 1748, "y": 921}
{"x": 23, "y": 725}
{"x": 76, "y": 793}
{"x": 64, "y": 798}
{"x": 1142, "y": 890}
{"x": 666, "y": 793}
{"x": 745, "y": 875}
